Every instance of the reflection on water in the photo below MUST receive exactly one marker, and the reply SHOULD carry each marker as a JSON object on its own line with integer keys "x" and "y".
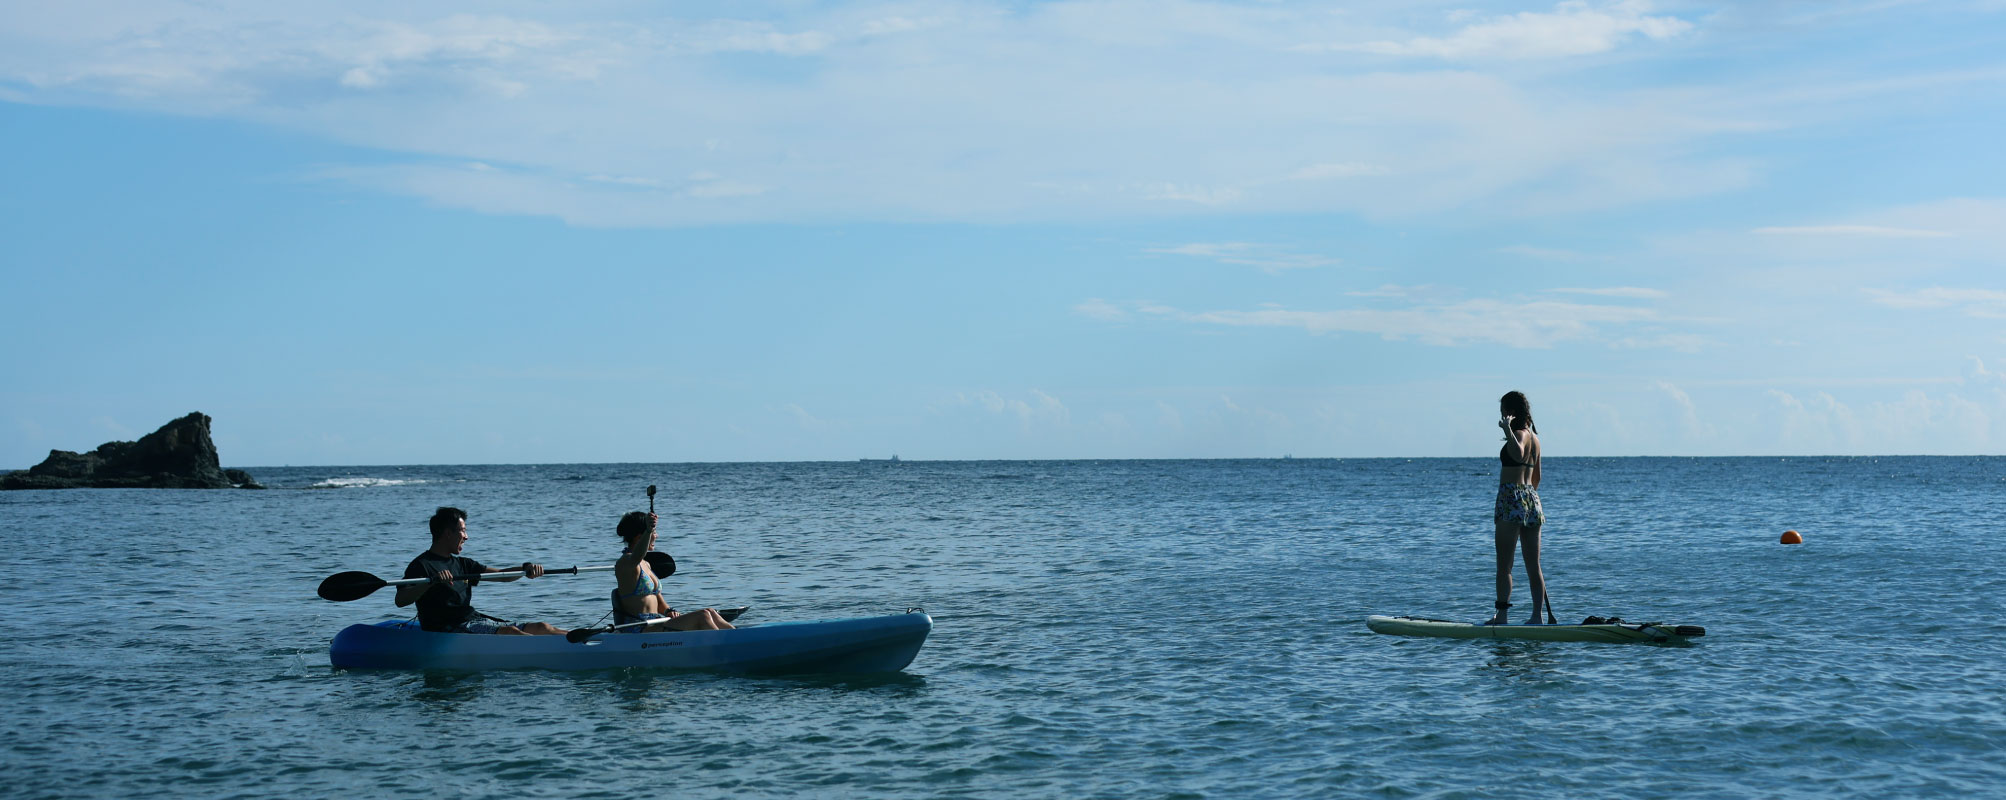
{"x": 447, "y": 690}
{"x": 1523, "y": 661}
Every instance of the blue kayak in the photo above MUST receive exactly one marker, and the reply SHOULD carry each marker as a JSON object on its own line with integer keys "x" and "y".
{"x": 865, "y": 644}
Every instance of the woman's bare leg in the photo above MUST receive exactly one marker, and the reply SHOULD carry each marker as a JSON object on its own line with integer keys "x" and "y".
{"x": 531, "y": 629}
{"x": 700, "y": 620}
{"x": 1535, "y": 578}
{"x": 1507, "y": 540}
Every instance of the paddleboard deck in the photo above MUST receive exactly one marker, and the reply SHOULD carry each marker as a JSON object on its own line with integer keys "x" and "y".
{"x": 1618, "y": 633}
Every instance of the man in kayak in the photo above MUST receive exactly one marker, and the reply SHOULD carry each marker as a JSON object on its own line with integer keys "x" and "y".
{"x": 446, "y": 605}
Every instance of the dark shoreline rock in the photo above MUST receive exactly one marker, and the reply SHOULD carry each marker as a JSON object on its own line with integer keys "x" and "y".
{"x": 178, "y": 456}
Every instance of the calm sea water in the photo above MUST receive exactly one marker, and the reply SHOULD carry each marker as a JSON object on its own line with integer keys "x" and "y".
{"x": 1103, "y": 629}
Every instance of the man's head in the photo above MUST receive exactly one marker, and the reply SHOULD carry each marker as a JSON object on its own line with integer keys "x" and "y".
{"x": 449, "y": 530}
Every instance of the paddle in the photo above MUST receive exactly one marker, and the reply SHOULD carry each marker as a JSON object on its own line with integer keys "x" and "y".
{"x": 580, "y": 635}
{"x": 342, "y": 587}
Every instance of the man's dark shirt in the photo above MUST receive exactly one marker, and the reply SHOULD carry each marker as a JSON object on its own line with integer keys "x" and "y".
{"x": 444, "y": 605}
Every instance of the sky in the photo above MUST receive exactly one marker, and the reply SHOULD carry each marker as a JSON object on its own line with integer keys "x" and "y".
{"x": 530, "y": 232}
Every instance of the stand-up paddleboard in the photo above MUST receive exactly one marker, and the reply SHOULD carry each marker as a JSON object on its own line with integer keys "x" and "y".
{"x": 1616, "y": 630}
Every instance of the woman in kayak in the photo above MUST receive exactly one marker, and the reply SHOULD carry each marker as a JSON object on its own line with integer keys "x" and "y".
{"x": 639, "y": 593}
{"x": 1517, "y": 513}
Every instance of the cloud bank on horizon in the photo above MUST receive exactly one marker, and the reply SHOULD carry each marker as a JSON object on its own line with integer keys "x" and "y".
{"x": 1704, "y": 227}
{"x": 693, "y": 114}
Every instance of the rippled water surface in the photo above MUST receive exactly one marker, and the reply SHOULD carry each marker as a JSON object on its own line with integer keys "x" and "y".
{"x": 1102, "y": 629}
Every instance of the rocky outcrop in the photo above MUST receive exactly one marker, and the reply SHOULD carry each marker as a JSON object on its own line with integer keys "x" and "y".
{"x": 178, "y": 456}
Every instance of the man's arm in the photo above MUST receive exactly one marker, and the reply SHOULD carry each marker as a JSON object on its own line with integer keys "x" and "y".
{"x": 409, "y": 593}
{"x": 529, "y": 569}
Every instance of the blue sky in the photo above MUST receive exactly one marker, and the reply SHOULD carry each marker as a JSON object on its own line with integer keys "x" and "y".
{"x": 385, "y": 233}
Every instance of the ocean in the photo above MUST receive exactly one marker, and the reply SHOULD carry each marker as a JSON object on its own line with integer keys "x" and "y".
{"x": 1103, "y": 629}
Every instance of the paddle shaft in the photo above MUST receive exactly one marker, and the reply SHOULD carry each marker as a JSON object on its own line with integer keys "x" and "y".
{"x": 500, "y": 575}
{"x": 651, "y": 504}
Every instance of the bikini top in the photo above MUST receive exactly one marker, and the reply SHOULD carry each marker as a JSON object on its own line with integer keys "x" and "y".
{"x": 1507, "y": 460}
{"x": 643, "y": 586}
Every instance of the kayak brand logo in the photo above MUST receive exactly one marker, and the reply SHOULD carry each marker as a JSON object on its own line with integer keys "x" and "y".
{"x": 646, "y": 645}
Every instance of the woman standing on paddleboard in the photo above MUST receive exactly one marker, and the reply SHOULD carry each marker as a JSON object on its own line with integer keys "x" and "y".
{"x": 1518, "y": 513}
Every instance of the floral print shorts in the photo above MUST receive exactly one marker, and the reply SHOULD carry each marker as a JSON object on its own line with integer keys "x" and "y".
{"x": 1518, "y": 504}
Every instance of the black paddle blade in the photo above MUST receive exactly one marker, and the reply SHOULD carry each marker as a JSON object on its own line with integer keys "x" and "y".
{"x": 580, "y": 635}
{"x": 662, "y": 564}
{"x": 342, "y": 587}
{"x": 732, "y": 614}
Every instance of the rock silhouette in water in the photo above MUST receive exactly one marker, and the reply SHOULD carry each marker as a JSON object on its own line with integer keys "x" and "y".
{"x": 178, "y": 456}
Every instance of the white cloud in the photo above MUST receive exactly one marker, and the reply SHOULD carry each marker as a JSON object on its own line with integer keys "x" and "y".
{"x": 1096, "y": 308}
{"x": 1572, "y": 29}
{"x": 1056, "y": 111}
{"x": 1206, "y": 249}
{"x": 1688, "y": 413}
{"x": 1049, "y": 408}
{"x": 889, "y": 26}
{"x": 1325, "y": 172}
{"x": 1975, "y": 372}
{"x": 1397, "y": 292}
{"x": 1201, "y": 195}
{"x": 1824, "y": 425}
{"x": 1676, "y": 342}
{"x": 1850, "y": 230}
{"x": 807, "y": 421}
{"x": 1271, "y": 259}
{"x": 1987, "y": 303}
{"x": 756, "y": 38}
{"x": 1546, "y": 253}
{"x": 1534, "y": 324}
{"x": 1637, "y": 292}
{"x": 1041, "y": 408}
{"x": 651, "y": 183}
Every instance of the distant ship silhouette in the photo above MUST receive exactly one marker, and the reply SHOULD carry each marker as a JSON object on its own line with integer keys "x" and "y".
{"x": 895, "y": 457}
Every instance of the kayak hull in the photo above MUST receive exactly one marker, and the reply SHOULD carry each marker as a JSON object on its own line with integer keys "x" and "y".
{"x": 861, "y": 645}
{"x": 1652, "y": 632}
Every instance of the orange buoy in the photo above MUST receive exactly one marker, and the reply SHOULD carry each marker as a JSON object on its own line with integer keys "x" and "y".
{"x": 1791, "y": 537}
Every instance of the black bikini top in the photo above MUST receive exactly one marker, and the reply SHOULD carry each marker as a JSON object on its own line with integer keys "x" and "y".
{"x": 1506, "y": 460}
